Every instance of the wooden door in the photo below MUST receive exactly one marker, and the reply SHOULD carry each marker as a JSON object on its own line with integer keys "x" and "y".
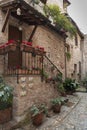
{"x": 15, "y": 57}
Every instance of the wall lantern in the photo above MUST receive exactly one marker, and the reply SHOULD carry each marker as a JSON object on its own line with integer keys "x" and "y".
{"x": 18, "y": 11}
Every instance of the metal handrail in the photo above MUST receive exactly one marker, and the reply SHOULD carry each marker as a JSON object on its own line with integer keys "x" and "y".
{"x": 53, "y": 64}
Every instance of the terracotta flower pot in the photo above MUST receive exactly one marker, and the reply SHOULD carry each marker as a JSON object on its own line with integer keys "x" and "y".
{"x": 38, "y": 119}
{"x": 5, "y": 115}
{"x": 56, "y": 108}
{"x": 63, "y": 94}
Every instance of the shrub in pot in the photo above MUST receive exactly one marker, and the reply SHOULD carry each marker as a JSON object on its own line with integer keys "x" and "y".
{"x": 56, "y": 104}
{"x": 6, "y": 96}
{"x": 70, "y": 85}
{"x": 61, "y": 89}
{"x": 37, "y": 114}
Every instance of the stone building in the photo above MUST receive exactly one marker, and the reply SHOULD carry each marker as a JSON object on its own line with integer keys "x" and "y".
{"x": 84, "y": 58}
{"x": 74, "y": 45}
{"x": 20, "y": 22}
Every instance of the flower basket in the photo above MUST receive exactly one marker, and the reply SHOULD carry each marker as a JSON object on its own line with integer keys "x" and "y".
{"x": 39, "y": 50}
{"x": 12, "y": 47}
{"x": 26, "y": 48}
{"x": 5, "y": 115}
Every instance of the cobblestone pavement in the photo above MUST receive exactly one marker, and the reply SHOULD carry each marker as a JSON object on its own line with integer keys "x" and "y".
{"x": 74, "y": 118}
{"x": 70, "y": 118}
{"x": 77, "y": 119}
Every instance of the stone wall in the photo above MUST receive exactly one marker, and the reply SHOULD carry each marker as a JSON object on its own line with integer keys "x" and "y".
{"x": 76, "y": 57}
{"x": 53, "y": 44}
{"x": 28, "y": 92}
{"x": 84, "y": 58}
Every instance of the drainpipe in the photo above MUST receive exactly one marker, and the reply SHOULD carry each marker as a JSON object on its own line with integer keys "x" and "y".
{"x": 65, "y": 57}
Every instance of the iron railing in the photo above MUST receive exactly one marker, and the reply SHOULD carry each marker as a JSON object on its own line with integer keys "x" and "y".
{"x": 50, "y": 70}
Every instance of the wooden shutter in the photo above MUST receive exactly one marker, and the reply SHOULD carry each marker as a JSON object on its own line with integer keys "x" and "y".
{"x": 15, "y": 57}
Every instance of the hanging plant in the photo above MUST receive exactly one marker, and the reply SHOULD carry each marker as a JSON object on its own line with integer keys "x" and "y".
{"x": 68, "y": 55}
{"x": 60, "y": 20}
{"x": 36, "y": 1}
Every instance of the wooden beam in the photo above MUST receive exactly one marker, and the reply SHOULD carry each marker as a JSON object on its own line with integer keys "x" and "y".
{"x": 6, "y": 20}
{"x": 32, "y": 34}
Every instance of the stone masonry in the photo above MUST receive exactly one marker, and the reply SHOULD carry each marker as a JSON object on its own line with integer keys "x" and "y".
{"x": 76, "y": 57}
{"x": 31, "y": 90}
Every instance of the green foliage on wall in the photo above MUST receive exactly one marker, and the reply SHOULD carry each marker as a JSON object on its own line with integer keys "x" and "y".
{"x": 59, "y": 19}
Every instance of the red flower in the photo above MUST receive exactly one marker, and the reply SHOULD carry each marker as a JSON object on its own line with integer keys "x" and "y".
{"x": 27, "y": 43}
{"x": 42, "y": 48}
{"x": 10, "y": 42}
{"x": 2, "y": 46}
{"x": 37, "y": 47}
{"x": 18, "y": 66}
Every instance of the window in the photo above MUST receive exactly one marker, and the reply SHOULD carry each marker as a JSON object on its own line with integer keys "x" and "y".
{"x": 80, "y": 67}
{"x": 68, "y": 48}
{"x": 15, "y": 58}
{"x": 76, "y": 40}
{"x": 75, "y": 68}
{"x": 65, "y": 4}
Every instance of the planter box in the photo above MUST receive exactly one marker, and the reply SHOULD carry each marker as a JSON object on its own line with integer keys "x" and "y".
{"x": 5, "y": 115}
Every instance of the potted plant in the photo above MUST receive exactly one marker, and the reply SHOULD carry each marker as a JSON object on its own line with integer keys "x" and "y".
{"x": 45, "y": 75}
{"x": 70, "y": 85}
{"x": 6, "y": 96}
{"x": 61, "y": 89}
{"x": 37, "y": 114}
{"x": 56, "y": 104}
